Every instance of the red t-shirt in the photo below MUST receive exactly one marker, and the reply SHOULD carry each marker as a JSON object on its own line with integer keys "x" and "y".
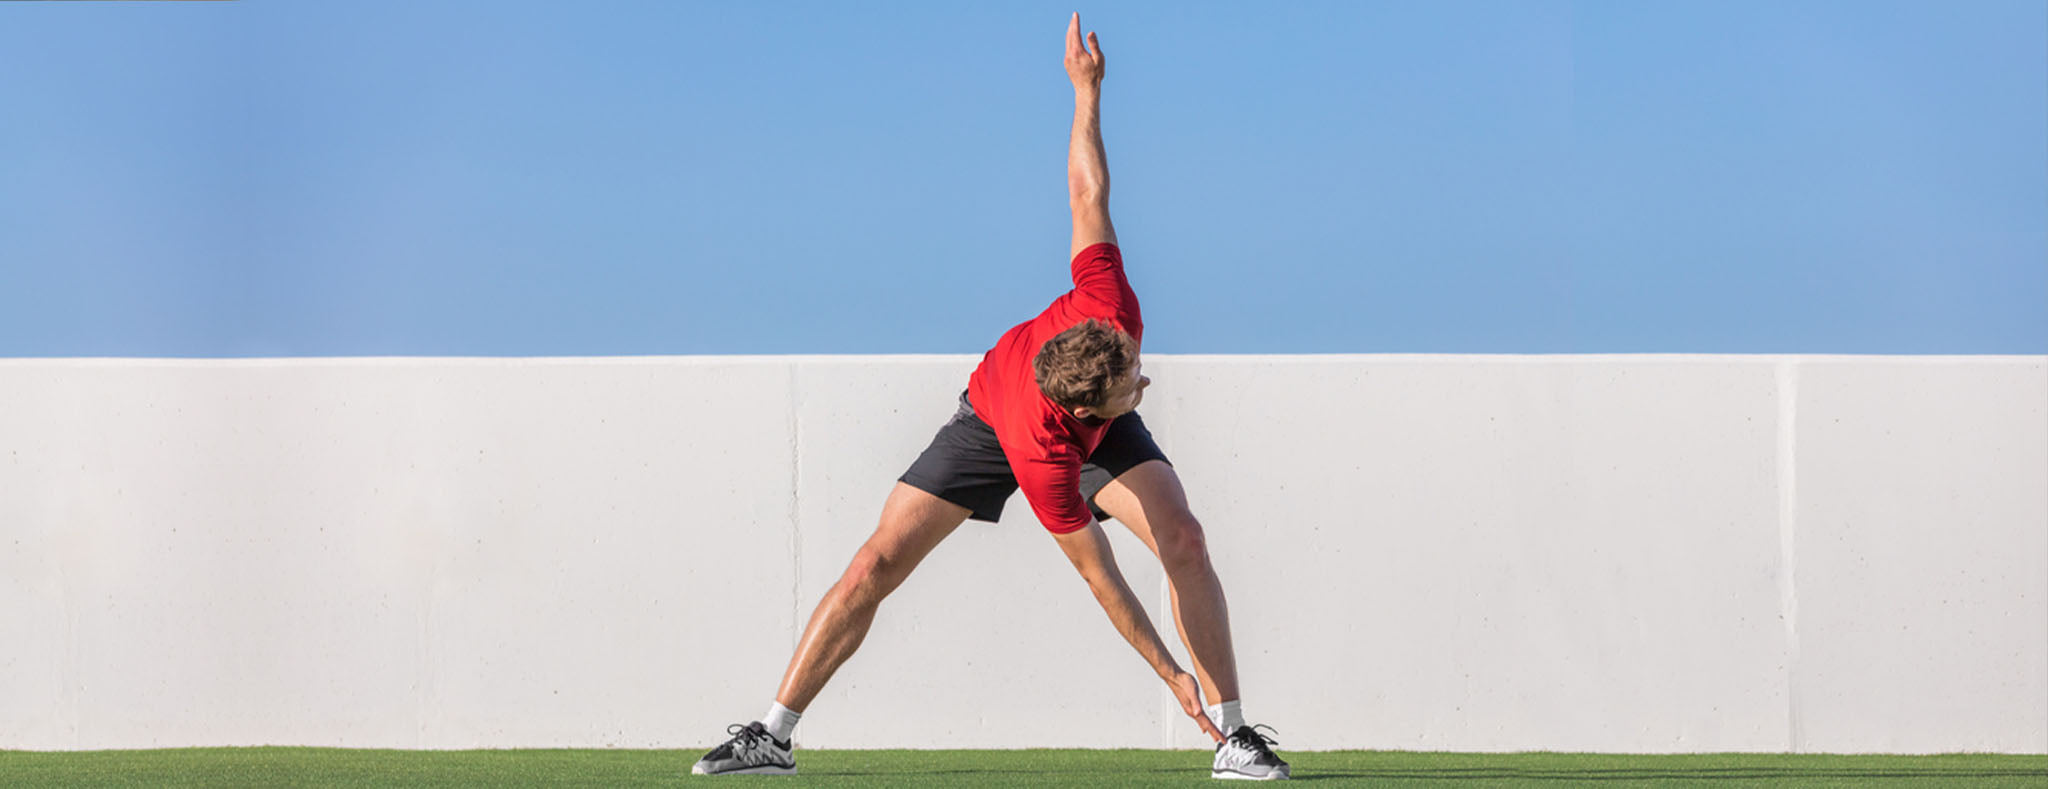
{"x": 1043, "y": 442}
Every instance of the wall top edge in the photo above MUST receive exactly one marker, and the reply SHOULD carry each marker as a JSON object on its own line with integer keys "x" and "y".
{"x": 890, "y": 359}
{"x": 872, "y": 359}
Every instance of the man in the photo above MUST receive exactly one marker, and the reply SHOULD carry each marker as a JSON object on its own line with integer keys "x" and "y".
{"x": 1051, "y": 409}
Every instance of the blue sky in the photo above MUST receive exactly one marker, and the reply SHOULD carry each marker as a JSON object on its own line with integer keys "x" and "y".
{"x": 298, "y": 178}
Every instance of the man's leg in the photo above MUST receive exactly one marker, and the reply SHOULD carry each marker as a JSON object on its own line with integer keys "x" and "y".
{"x": 1149, "y": 499}
{"x": 913, "y": 522}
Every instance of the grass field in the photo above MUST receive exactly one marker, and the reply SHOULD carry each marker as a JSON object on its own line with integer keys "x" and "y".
{"x": 340, "y": 767}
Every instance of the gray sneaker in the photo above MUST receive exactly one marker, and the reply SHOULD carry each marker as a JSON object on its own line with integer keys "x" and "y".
{"x": 751, "y": 751}
{"x": 1247, "y": 755}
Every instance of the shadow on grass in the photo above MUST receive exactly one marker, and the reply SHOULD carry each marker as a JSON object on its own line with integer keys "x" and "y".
{"x": 916, "y": 771}
{"x": 1641, "y": 774}
{"x": 1492, "y": 774}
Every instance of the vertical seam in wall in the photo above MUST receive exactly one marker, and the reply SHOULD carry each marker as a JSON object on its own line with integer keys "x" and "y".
{"x": 427, "y": 693}
{"x": 73, "y": 685}
{"x": 1788, "y": 507}
{"x": 1169, "y": 707}
{"x": 796, "y": 544}
{"x": 422, "y": 663}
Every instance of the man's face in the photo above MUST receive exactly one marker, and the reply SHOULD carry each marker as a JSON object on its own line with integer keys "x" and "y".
{"x": 1125, "y": 396}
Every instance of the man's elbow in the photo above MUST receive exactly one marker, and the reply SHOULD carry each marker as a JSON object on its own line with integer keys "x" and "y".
{"x": 1105, "y": 591}
{"x": 1087, "y": 192}
{"x": 1092, "y": 572}
{"x": 1090, "y": 208}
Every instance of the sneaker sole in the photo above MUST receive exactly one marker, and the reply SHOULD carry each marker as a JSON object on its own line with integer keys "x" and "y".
{"x": 766, "y": 769}
{"x": 1233, "y": 775}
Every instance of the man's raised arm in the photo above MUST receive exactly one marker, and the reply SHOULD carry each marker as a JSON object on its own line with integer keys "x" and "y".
{"x": 1087, "y": 167}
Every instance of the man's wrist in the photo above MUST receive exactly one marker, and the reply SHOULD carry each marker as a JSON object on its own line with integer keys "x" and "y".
{"x": 1089, "y": 92}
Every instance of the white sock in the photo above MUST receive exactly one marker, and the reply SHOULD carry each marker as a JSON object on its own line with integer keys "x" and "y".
{"x": 781, "y": 721}
{"x": 1228, "y": 716}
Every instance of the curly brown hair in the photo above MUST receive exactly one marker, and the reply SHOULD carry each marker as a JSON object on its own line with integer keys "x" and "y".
{"x": 1077, "y": 368}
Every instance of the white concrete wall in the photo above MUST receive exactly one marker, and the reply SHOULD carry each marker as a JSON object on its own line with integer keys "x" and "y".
{"x": 1616, "y": 553}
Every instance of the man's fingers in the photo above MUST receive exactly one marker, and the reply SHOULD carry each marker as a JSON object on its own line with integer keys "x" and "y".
{"x": 1208, "y": 726}
{"x": 1074, "y": 34}
{"x": 1191, "y": 703}
{"x": 1095, "y": 45}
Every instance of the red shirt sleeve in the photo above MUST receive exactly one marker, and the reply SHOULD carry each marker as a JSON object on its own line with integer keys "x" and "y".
{"x": 1101, "y": 290}
{"x": 1051, "y": 481}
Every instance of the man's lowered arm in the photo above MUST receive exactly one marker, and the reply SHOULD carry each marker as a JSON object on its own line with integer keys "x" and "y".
{"x": 1089, "y": 550}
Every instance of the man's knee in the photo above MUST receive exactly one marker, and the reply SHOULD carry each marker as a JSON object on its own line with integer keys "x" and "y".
{"x": 869, "y": 577}
{"x": 1182, "y": 545}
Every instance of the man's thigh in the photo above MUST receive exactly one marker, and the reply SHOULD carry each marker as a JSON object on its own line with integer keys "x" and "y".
{"x": 913, "y": 523}
{"x": 1148, "y": 499}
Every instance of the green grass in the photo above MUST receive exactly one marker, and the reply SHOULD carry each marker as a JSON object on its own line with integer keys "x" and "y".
{"x": 340, "y": 767}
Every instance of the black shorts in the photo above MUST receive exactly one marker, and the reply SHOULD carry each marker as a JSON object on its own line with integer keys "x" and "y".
{"x": 965, "y": 464}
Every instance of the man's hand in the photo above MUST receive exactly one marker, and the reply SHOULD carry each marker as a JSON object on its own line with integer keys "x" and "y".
{"x": 1083, "y": 66}
{"x": 1190, "y": 696}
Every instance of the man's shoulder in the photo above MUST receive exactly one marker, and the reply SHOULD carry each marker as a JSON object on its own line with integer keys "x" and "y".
{"x": 1106, "y": 250}
{"x": 1097, "y": 260}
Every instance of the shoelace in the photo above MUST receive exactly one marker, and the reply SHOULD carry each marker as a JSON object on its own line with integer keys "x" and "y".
{"x": 746, "y": 743}
{"x": 1250, "y": 738}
